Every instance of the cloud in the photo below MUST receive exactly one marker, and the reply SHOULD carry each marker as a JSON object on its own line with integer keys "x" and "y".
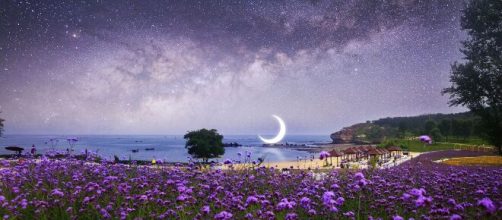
{"x": 319, "y": 64}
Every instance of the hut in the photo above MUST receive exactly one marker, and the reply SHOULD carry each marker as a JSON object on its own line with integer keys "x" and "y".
{"x": 395, "y": 150}
{"x": 349, "y": 152}
{"x": 336, "y": 154}
{"x": 374, "y": 152}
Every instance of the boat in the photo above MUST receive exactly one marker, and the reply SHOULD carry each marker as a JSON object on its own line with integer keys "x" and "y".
{"x": 135, "y": 150}
{"x": 151, "y": 148}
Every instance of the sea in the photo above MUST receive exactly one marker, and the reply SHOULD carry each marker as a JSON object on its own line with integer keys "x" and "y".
{"x": 168, "y": 148}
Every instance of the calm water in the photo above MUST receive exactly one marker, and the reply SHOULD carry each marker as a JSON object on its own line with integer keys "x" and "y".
{"x": 168, "y": 148}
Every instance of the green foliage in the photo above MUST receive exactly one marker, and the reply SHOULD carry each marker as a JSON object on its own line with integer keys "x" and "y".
{"x": 375, "y": 134}
{"x": 457, "y": 124}
{"x": 388, "y": 143}
{"x": 402, "y": 127}
{"x": 477, "y": 81}
{"x": 445, "y": 127}
{"x": 416, "y": 124}
{"x": 429, "y": 126}
{"x": 373, "y": 162}
{"x": 436, "y": 134}
{"x": 417, "y": 146}
{"x": 204, "y": 144}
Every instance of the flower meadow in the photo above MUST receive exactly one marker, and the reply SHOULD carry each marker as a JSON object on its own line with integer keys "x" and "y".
{"x": 417, "y": 189}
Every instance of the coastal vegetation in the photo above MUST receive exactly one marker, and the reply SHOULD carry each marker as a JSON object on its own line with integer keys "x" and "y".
{"x": 204, "y": 144}
{"x": 477, "y": 80}
{"x": 455, "y": 128}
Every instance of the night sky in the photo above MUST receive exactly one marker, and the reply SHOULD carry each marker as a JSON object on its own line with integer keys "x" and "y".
{"x": 165, "y": 67}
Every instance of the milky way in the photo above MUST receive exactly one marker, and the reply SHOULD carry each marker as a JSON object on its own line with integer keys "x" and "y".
{"x": 165, "y": 67}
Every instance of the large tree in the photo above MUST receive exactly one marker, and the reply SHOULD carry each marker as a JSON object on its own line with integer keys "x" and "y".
{"x": 429, "y": 126}
{"x": 445, "y": 127}
{"x": 204, "y": 144}
{"x": 477, "y": 81}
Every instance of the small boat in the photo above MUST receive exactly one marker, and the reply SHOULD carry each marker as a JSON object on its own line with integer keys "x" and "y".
{"x": 151, "y": 148}
{"x": 135, "y": 150}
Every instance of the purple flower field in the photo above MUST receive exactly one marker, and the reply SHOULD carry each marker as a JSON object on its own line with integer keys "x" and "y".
{"x": 418, "y": 189}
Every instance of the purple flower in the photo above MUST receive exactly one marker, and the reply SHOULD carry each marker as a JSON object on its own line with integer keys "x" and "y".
{"x": 327, "y": 198}
{"x": 251, "y": 200}
{"x": 406, "y": 196}
{"x": 455, "y": 217}
{"x": 397, "y": 217}
{"x": 488, "y": 204}
{"x": 285, "y": 204}
{"x": 417, "y": 192}
{"x": 335, "y": 186}
{"x": 349, "y": 214}
{"x": 291, "y": 216}
{"x": 182, "y": 197}
{"x": 224, "y": 215}
{"x": 340, "y": 201}
{"x": 205, "y": 209}
{"x": 305, "y": 202}
{"x": 57, "y": 192}
{"x": 359, "y": 175}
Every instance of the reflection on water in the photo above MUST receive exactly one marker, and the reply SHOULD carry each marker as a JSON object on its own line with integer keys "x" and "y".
{"x": 167, "y": 148}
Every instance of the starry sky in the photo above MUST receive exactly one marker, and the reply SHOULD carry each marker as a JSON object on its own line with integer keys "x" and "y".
{"x": 165, "y": 67}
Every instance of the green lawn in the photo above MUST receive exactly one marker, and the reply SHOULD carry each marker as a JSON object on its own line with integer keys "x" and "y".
{"x": 417, "y": 146}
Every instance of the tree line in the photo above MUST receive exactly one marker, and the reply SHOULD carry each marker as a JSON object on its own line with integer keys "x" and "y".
{"x": 441, "y": 127}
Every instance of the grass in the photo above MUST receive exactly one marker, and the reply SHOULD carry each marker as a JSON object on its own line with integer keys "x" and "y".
{"x": 417, "y": 146}
{"x": 472, "y": 140}
{"x": 475, "y": 161}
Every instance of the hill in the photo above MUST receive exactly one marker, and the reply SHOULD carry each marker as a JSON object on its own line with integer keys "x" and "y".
{"x": 440, "y": 126}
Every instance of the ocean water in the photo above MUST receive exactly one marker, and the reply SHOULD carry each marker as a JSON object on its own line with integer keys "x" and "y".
{"x": 169, "y": 148}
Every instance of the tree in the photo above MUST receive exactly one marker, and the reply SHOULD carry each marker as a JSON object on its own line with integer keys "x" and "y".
{"x": 204, "y": 144}
{"x": 477, "y": 82}
{"x": 429, "y": 125}
{"x": 375, "y": 134}
{"x": 445, "y": 127}
{"x": 436, "y": 134}
{"x": 402, "y": 128}
{"x": 455, "y": 127}
{"x": 465, "y": 128}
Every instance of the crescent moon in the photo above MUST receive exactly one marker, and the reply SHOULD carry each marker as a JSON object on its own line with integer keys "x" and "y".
{"x": 280, "y": 135}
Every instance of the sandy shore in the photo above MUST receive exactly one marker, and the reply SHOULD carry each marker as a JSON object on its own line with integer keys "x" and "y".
{"x": 316, "y": 163}
{"x": 305, "y": 164}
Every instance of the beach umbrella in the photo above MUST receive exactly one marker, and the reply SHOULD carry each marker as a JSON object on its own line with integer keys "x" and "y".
{"x": 425, "y": 139}
{"x": 324, "y": 156}
{"x": 15, "y": 148}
